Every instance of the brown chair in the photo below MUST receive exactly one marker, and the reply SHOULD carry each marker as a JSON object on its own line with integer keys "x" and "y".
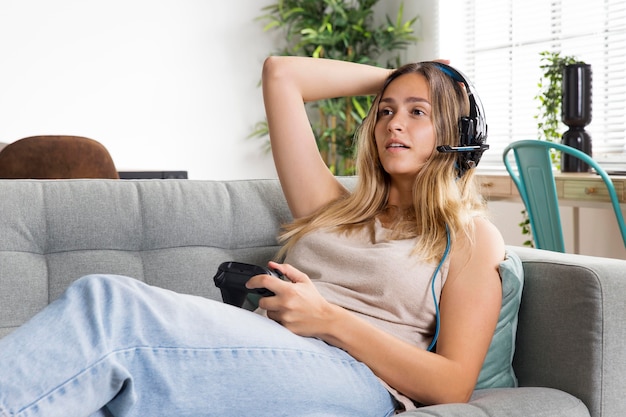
{"x": 56, "y": 157}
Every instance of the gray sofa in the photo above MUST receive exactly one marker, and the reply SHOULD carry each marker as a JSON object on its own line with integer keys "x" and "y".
{"x": 570, "y": 355}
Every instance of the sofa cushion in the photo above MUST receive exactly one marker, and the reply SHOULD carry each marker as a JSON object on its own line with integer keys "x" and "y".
{"x": 497, "y": 370}
{"x": 528, "y": 402}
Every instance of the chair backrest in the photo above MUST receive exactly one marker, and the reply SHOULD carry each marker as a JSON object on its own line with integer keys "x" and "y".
{"x": 535, "y": 182}
{"x": 56, "y": 157}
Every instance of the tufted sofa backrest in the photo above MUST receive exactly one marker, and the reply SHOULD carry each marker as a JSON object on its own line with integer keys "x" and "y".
{"x": 169, "y": 233}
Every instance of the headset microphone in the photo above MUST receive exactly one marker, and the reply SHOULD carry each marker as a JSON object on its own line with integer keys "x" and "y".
{"x": 453, "y": 149}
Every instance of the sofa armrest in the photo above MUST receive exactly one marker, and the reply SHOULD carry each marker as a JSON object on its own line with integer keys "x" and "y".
{"x": 572, "y": 328}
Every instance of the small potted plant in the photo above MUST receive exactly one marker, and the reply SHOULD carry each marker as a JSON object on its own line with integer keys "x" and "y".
{"x": 549, "y": 97}
{"x": 549, "y": 123}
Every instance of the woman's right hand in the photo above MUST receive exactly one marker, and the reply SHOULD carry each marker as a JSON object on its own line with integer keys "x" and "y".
{"x": 297, "y": 304}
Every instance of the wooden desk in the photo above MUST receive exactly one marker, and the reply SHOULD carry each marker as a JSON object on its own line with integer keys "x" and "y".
{"x": 577, "y": 189}
{"x": 573, "y": 189}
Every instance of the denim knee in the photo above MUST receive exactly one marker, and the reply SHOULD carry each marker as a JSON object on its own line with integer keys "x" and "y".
{"x": 101, "y": 287}
{"x": 102, "y": 302}
{"x": 100, "y": 282}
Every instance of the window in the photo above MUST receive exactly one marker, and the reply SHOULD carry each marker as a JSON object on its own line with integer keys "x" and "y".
{"x": 502, "y": 41}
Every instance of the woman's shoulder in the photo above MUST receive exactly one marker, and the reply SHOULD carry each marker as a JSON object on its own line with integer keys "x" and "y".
{"x": 483, "y": 248}
{"x": 486, "y": 232}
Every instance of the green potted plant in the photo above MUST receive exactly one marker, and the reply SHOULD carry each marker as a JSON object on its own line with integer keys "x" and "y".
{"x": 549, "y": 125}
{"x": 338, "y": 29}
{"x": 549, "y": 97}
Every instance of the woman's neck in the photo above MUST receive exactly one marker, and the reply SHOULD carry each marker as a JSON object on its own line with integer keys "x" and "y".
{"x": 400, "y": 196}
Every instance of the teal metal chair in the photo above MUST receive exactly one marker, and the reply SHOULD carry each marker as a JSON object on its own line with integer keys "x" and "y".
{"x": 535, "y": 182}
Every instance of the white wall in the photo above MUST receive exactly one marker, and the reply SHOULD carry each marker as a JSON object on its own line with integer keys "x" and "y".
{"x": 598, "y": 233}
{"x": 164, "y": 85}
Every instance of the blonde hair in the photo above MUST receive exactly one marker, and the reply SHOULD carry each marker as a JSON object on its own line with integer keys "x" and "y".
{"x": 451, "y": 205}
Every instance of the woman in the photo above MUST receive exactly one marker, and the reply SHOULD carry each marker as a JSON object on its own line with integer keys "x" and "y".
{"x": 406, "y": 189}
{"x": 370, "y": 275}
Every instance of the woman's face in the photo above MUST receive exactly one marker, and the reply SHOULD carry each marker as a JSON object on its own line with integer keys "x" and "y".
{"x": 404, "y": 132}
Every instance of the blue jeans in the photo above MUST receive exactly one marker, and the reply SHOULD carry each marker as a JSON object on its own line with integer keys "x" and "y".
{"x": 113, "y": 346}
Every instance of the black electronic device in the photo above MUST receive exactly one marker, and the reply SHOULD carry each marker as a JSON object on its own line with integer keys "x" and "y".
{"x": 231, "y": 278}
{"x": 143, "y": 175}
{"x": 472, "y": 128}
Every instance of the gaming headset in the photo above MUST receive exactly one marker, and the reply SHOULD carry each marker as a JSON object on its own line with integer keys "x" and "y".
{"x": 472, "y": 128}
{"x": 472, "y": 138}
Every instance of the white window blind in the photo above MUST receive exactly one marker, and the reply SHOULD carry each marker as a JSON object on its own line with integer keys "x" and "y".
{"x": 503, "y": 41}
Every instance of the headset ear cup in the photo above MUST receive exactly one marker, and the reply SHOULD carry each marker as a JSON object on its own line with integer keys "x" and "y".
{"x": 472, "y": 132}
{"x": 467, "y": 137}
{"x": 466, "y": 131}
{"x": 472, "y": 128}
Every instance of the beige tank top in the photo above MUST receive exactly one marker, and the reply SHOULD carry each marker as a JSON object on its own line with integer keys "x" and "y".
{"x": 379, "y": 281}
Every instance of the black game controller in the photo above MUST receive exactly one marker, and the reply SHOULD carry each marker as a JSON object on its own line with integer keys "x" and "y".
{"x": 231, "y": 278}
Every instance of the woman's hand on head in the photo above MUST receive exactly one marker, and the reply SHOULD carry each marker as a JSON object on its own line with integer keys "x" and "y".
{"x": 297, "y": 304}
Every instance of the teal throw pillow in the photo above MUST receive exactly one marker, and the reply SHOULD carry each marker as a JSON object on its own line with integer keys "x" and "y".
{"x": 497, "y": 370}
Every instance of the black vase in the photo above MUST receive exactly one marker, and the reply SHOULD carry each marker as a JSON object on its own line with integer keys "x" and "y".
{"x": 576, "y": 114}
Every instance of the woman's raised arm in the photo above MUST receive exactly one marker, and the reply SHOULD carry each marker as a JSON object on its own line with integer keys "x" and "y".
{"x": 289, "y": 82}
